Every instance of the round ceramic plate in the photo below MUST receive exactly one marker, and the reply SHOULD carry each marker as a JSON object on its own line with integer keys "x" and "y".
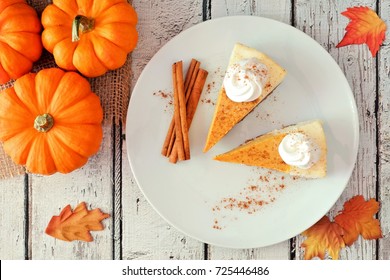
{"x": 234, "y": 205}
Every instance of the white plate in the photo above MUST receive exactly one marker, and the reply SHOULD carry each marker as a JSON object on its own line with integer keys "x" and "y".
{"x": 193, "y": 195}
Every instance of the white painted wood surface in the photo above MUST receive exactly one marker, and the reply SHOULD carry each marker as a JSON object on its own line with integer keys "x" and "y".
{"x": 145, "y": 234}
{"x": 322, "y": 20}
{"x": 384, "y": 137}
{"x": 135, "y": 230}
{"x": 49, "y": 195}
{"x": 12, "y": 218}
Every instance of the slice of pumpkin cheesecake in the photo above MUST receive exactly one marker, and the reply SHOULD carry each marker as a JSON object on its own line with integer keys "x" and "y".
{"x": 298, "y": 149}
{"x": 250, "y": 77}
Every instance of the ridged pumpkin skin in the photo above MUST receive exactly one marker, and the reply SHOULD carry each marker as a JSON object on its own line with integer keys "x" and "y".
{"x": 103, "y": 46}
{"x": 76, "y": 133}
{"x": 20, "y": 39}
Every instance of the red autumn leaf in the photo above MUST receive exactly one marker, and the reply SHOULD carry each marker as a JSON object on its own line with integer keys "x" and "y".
{"x": 321, "y": 237}
{"x": 365, "y": 27}
{"x": 357, "y": 218}
{"x": 75, "y": 225}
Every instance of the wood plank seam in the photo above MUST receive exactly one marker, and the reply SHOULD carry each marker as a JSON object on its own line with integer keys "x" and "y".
{"x": 117, "y": 190}
{"x": 293, "y": 240}
{"x": 26, "y": 225}
{"x": 293, "y": 9}
{"x": 377, "y": 136}
{"x": 206, "y": 10}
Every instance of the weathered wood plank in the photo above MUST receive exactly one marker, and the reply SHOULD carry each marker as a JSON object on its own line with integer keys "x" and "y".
{"x": 384, "y": 137}
{"x": 50, "y": 194}
{"x": 279, "y": 251}
{"x": 279, "y": 10}
{"x": 384, "y": 152}
{"x": 145, "y": 234}
{"x": 322, "y": 20}
{"x": 158, "y": 22}
{"x": 12, "y": 218}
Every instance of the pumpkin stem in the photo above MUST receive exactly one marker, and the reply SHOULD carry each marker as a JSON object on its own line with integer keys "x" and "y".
{"x": 43, "y": 123}
{"x": 81, "y": 24}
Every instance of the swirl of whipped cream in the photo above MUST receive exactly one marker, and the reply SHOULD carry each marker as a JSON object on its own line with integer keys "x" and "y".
{"x": 244, "y": 80}
{"x": 298, "y": 150}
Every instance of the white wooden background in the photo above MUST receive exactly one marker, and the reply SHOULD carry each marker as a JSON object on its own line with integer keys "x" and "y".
{"x": 135, "y": 231}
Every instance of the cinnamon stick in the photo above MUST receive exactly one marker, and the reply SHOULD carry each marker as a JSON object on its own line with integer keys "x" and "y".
{"x": 186, "y": 99}
{"x": 192, "y": 79}
{"x": 179, "y": 143}
{"x": 192, "y": 104}
{"x": 189, "y": 74}
{"x": 169, "y": 139}
{"x": 189, "y": 80}
{"x": 194, "y": 97}
{"x": 182, "y": 110}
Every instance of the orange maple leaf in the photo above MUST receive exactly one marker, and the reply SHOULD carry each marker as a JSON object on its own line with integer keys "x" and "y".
{"x": 365, "y": 27}
{"x": 321, "y": 237}
{"x": 357, "y": 218}
{"x": 69, "y": 226}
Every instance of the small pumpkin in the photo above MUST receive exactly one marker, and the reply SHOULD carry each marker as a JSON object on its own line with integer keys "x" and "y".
{"x": 91, "y": 36}
{"x": 50, "y": 121}
{"x": 20, "y": 39}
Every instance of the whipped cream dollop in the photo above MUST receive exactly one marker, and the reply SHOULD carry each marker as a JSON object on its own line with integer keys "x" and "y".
{"x": 298, "y": 150}
{"x": 244, "y": 81}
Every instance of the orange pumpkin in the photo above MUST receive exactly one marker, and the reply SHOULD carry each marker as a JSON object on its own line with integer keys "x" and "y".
{"x": 91, "y": 36}
{"x": 50, "y": 121}
{"x": 20, "y": 39}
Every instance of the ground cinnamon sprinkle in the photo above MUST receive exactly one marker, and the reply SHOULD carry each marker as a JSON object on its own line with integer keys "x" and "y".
{"x": 250, "y": 200}
{"x": 216, "y": 225}
{"x": 261, "y": 191}
{"x": 163, "y": 94}
{"x": 209, "y": 88}
{"x": 168, "y": 96}
{"x": 207, "y": 101}
{"x": 264, "y": 179}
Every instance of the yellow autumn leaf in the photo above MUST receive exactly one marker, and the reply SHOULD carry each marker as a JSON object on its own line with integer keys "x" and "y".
{"x": 77, "y": 224}
{"x": 321, "y": 237}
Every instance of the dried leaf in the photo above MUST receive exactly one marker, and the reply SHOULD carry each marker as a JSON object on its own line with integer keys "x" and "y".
{"x": 76, "y": 225}
{"x": 321, "y": 237}
{"x": 357, "y": 218}
{"x": 365, "y": 27}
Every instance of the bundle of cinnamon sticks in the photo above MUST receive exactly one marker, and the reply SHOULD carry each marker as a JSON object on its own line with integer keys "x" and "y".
{"x": 186, "y": 95}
